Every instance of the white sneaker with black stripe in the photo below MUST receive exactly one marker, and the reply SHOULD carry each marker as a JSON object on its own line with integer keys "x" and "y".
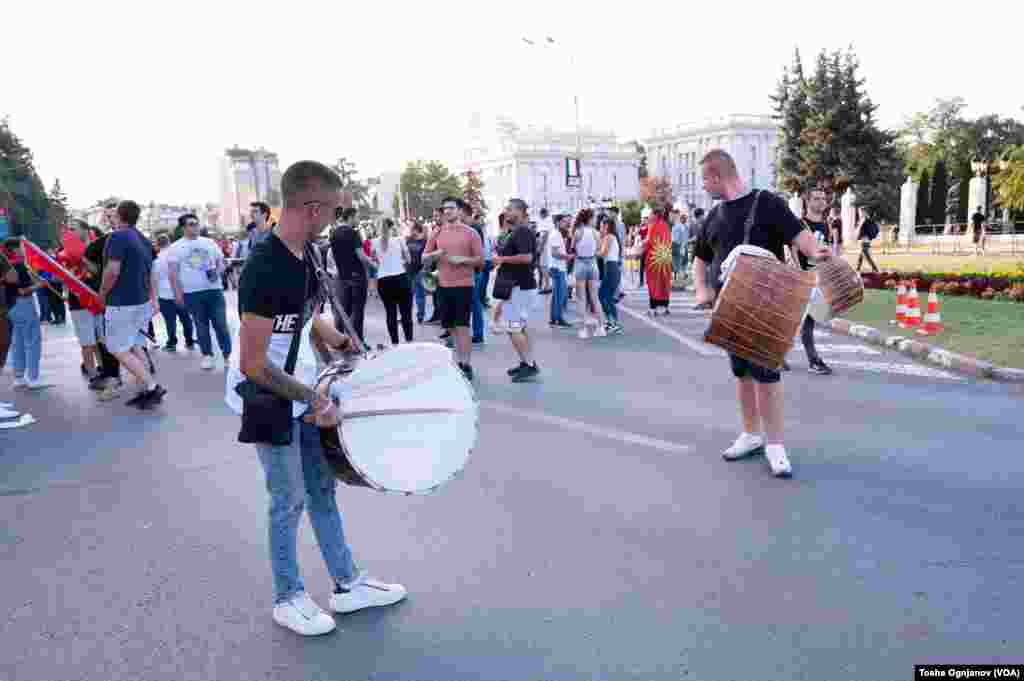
{"x": 303, "y": 616}
{"x": 365, "y": 592}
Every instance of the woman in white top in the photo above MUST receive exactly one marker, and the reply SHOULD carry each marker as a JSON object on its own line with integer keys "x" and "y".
{"x": 585, "y": 241}
{"x": 610, "y": 249}
{"x": 393, "y": 280}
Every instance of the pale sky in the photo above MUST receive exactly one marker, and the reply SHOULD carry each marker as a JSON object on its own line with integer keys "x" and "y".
{"x": 139, "y": 99}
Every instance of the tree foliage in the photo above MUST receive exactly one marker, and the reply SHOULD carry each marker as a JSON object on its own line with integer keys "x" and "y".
{"x": 472, "y": 192}
{"x": 632, "y": 212}
{"x": 356, "y": 192}
{"x": 22, "y": 192}
{"x": 424, "y": 184}
{"x": 828, "y": 135}
{"x": 1009, "y": 183}
{"x": 923, "y": 204}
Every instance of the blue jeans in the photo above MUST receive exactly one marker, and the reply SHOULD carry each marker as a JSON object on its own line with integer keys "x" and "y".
{"x": 171, "y": 313}
{"x": 559, "y": 295}
{"x": 608, "y": 292}
{"x": 298, "y": 478}
{"x": 207, "y": 307}
{"x": 478, "y": 306}
{"x": 27, "y": 341}
{"x": 488, "y": 267}
{"x": 420, "y": 295}
{"x": 43, "y": 296}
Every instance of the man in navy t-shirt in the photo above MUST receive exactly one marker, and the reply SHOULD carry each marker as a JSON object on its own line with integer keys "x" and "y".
{"x": 131, "y": 300}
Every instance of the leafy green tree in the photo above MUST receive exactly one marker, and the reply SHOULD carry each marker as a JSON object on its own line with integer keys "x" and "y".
{"x": 424, "y": 184}
{"x": 937, "y": 200}
{"x": 1009, "y": 183}
{"x": 472, "y": 192}
{"x": 357, "y": 191}
{"x": 791, "y": 111}
{"x": 22, "y": 192}
{"x": 631, "y": 213}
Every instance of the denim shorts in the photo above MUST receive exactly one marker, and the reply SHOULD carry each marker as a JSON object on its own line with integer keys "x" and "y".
{"x": 586, "y": 269}
{"x": 123, "y": 326}
{"x": 88, "y": 327}
{"x": 742, "y": 368}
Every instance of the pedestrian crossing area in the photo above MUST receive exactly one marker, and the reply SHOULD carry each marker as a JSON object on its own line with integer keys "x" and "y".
{"x": 839, "y": 352}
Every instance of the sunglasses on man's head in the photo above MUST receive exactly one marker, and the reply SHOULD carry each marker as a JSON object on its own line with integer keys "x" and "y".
{"x": 192, "y": 223}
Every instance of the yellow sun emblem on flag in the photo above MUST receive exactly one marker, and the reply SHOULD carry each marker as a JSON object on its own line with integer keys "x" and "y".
{"x": 661, "y": 256}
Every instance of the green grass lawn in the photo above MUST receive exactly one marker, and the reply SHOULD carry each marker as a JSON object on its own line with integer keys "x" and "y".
{"x": 991, "y": 331}
{"x": 925, "y": 262}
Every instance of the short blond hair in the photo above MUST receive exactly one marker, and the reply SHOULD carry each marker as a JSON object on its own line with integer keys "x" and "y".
{"x": 721, "y": 163}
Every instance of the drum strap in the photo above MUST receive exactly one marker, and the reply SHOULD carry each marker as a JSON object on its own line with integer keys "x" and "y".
{"x": 293, "y": 349}
{"x": 748, "y": 226}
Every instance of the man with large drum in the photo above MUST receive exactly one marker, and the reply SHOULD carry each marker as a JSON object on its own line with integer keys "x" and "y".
{"x": 271, "y": 387}
{"x": 773, "y": 226}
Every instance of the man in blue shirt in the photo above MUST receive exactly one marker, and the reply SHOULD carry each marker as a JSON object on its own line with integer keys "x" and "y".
{"x": 130, "y": 297}
{"x": 680, "y": 240}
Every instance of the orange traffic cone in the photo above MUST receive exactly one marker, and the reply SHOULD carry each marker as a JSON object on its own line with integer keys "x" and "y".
{"x": 913, "y": 314}
{"x": 932, "y": 319}
{"x": 901, "y": 304}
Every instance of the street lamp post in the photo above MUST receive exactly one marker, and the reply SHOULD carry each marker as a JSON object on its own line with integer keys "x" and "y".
{"x": 549, "y": 42}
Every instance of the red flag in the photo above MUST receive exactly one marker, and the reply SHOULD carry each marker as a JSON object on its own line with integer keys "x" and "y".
{"x": 39, "y": 261}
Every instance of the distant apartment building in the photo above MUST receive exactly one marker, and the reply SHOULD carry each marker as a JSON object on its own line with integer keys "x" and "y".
{"x": 247, "y": 175}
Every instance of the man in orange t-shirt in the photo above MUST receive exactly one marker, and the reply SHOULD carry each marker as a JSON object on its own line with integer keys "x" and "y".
{"x": 458, "y": 251}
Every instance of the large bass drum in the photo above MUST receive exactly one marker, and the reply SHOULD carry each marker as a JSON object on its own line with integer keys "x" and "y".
{"x": 760, "y": 310}
{"x": 409, "y": 420}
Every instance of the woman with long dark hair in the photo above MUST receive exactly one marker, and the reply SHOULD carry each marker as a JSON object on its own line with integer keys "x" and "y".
{"x": 585, "y": 243}
{"x": 609, "y": 250}
{"x": 393, "y": 280}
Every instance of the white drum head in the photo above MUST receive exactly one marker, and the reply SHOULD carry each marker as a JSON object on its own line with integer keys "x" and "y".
{"x": 411, "y": 419}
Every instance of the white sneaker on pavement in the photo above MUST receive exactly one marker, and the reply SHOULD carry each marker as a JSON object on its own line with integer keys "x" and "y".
{"x": 23, "y": 420}
{"x": 777, "y": 459}
{"x": 303, "y": 616}
{"x": 19, "y": 384}
{"x": 39, "y": 384}
{"x": 600, "y": 331}
{"x": 8, "y": 413}
{"x": 366, "y": 592}
{"x": 206, "y": 364}
{"x": 745, "y": 445}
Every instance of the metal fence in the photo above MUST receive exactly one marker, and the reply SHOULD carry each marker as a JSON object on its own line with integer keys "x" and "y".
{"x": 1001, "y": 238}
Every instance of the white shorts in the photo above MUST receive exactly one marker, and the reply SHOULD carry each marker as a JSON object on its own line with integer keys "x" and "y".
{"x": 123, "y": 326}
{"x": 88, "y": 327}
{"x": 517, "y": 310}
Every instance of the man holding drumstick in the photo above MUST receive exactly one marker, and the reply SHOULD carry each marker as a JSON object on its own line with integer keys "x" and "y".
{"x": 774, "y": 226}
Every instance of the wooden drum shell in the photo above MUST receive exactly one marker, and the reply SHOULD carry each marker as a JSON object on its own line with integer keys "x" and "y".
{"x": 760, "y": 310}
{"x": 842, "y": 287}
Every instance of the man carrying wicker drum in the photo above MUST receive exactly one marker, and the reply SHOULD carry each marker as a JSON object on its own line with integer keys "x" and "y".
{"x": 773, "y": 227}
{"x": 271, "y": 388}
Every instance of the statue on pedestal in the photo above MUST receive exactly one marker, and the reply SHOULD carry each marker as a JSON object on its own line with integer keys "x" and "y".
{"x": 952, "y": 205}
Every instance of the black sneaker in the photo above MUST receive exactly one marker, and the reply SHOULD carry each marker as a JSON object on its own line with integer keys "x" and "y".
{"x": 137, "y": 400}
{"x": 526, "y": 373}
{"x": 516, "y": 369}
{"x": 445, "y": 336}
{"x": 467, "y": 371}
{"x": 173, "y": 348}
{"x": 97, "y": 383}
{"x": 820, "y": 368}
{"x": 190, "y": 346}
{"x": 563, "y": 325}
{"x": 85, "y": 372}
{"x": 151, "y": 398}
{"x": 479, "y": 341}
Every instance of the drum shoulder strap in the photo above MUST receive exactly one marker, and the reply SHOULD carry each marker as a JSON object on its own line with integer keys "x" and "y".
{"x": 748, "y": 226}
{"x": 293, "y": 349}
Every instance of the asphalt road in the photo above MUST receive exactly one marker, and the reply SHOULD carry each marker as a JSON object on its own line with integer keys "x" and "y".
{"x": 595, "y": 534}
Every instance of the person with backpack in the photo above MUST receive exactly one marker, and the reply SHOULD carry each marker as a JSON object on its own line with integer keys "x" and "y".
{"x": 868, "y": 232}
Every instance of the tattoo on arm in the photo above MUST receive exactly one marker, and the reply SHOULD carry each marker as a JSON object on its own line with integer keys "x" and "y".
{"x": 284, "y": 385}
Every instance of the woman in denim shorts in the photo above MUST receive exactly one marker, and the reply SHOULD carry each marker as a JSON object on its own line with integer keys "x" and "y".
{"x": 585, "y": 241}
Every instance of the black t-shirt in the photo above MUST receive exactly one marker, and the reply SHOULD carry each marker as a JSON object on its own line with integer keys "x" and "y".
{"x": 977, "y": 219}
{"x": 521, "y": 241}
{"x": 774, "y": 227}
{"x": 815, "y": 227}
{"x": 271, "y": 286}
{"x": 24, "y": 281}
{"x": 345, "y": 242}
{"x": 415, "y": 247}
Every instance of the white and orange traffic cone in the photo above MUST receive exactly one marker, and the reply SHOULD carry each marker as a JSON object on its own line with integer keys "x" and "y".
{"x": 932, "y": 318}
{"x": 913, "y": 315}
{"x": 901, "y": 304}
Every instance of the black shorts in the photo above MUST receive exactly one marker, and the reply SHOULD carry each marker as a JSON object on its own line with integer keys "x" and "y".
{"x": 454, "y": 305}
{"x": 742, "y": 368}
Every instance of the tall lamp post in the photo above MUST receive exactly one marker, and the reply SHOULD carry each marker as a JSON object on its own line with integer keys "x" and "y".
{"x": 549, "y": 43}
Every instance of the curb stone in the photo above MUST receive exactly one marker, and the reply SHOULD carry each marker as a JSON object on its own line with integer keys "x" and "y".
{"x": 963, "y": 364}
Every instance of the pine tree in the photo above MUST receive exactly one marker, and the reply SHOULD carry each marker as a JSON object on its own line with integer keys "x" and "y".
{"x": 791, "y": 112}
{"x": 940, "y": 185}
{"x": 21, "y": 191}
{"x": 923, "y": 206}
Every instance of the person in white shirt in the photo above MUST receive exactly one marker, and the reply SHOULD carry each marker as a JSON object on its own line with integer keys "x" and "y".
{"x": 195, "y": 265}
{"x": 169, "y": 308}
{"x": 544, "y": 229}
{"x": 558, "y": 257}
{"x": 393, "y": 282}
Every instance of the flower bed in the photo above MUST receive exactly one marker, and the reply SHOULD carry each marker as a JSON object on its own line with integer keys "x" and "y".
{"x": 994, "y": 286}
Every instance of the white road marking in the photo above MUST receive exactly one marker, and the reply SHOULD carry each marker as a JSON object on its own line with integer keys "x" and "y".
{"x": 894, "y": 368}
{"x": 700, "y": 348}
{"x": 591, "y": 429}
{"x": 848, "y": 349}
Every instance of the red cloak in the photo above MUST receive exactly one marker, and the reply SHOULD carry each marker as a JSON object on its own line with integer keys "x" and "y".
{"x": 658, "y": 263}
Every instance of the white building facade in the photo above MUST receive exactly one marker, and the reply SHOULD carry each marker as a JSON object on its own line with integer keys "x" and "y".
{"x": 675, "y": 153}
{"x": 247, "y": 175}
{"x": 529, "y": 163}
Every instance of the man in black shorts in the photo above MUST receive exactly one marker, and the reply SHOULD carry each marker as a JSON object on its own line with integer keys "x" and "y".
{"x": 458, "y": 252}
{"x": 759, "y": 389}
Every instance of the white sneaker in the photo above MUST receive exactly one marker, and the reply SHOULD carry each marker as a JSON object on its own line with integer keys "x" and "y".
{"x": 583, "y": 333}
{"x": 19, "y": 384}
{"x": 206, "y": 364}
{"x": 8, "y": 413}
{"x": 303, "y": 616}
{"x": 366, "y": 592}
{"x": 600, "y": 332}
{"x": 745, "y": 445}
{"x": 39, "y": 384}
{"x": 777, "y": 459}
